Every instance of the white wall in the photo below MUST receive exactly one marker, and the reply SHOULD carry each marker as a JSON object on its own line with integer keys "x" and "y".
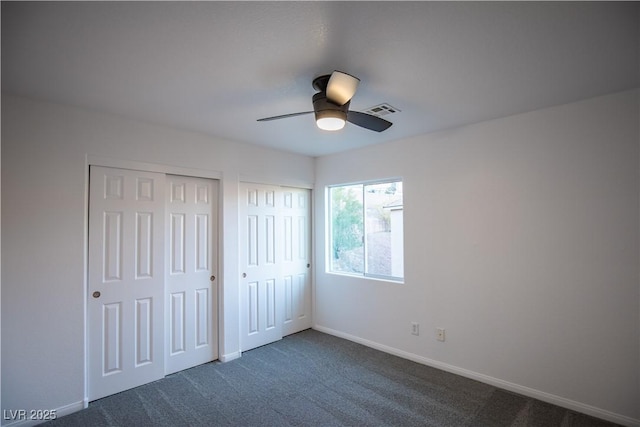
{"x": 43, "y": 219}
{"x": 522, "y": 241}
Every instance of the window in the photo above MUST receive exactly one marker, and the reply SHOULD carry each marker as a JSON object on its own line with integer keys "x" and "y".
{"x": 366, "y": 229}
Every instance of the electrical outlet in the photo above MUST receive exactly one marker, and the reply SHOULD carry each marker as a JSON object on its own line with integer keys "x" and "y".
{"x": 415, "y": 328}
{"x": 440, "y": 334}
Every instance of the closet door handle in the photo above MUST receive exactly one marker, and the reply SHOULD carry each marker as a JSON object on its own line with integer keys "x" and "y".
{"x": 244, "y": 275}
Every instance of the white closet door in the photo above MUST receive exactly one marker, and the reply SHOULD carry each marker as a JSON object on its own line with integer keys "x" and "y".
{"x": 295, "y": 217}
{"x": 126, "y": 280}
{"x": 274, "y": 260}
{"x": 260, "y": 250}
{"x": 191, "y": 301}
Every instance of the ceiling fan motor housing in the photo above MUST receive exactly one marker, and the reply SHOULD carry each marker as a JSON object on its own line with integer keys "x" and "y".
{"x": 322, "y": 107}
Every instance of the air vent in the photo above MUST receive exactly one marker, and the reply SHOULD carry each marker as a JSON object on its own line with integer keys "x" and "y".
{"x": 381, "y": 110}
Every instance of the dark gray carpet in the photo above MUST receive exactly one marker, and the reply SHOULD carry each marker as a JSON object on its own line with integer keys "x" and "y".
{"x": 315, "y": 379}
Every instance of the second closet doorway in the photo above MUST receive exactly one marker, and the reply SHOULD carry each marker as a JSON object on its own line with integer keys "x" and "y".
{"x": 275, "y": 266}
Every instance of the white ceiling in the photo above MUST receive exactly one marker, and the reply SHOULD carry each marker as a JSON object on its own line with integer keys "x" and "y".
{"x": 216, "y": 67}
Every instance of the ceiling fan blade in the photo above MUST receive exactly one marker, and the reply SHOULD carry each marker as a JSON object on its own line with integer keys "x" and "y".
{"x": 341, "y": 87}
{"x": 284, "y": 116}
{"x": 368, "y": 121}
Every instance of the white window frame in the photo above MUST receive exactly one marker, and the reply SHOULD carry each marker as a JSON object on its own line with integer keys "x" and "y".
{"x": 329, "y": 232}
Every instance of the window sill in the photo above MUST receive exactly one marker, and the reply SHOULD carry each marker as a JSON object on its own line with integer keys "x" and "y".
{"x": 399, "y": 281}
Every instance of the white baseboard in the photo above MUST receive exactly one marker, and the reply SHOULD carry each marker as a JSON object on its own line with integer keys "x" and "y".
{"x": 516, "y": 388}
{"x": 229, "y": 357}
{"x": 60, "y": 412}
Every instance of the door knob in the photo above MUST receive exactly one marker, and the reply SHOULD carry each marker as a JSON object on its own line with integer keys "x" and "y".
{"x": 96, "y": 294}
{"x": 212, "y": 278}
{"x": 244, "y": 275}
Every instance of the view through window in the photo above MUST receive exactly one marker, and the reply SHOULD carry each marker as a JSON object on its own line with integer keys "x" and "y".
{"x": 366, "y": 229}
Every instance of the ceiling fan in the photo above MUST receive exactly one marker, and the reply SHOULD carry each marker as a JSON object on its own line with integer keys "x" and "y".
{"x": 331, "y": 105}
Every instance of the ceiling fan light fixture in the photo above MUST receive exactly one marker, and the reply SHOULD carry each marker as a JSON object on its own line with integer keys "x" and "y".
{"x": 330, "y": 123}
{"x": 331, "y": 120}
{"x": 331, "y": 105}
{"x": 341, "y": 87}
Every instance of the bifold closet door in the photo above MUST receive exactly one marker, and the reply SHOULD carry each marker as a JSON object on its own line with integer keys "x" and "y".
{"x": 126, "y": 280}
{"x": 274, "y": 263}
{"x": 296, "y": 260}
{"x": 191, "y": 298}
{"x": 152, "y": 295}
